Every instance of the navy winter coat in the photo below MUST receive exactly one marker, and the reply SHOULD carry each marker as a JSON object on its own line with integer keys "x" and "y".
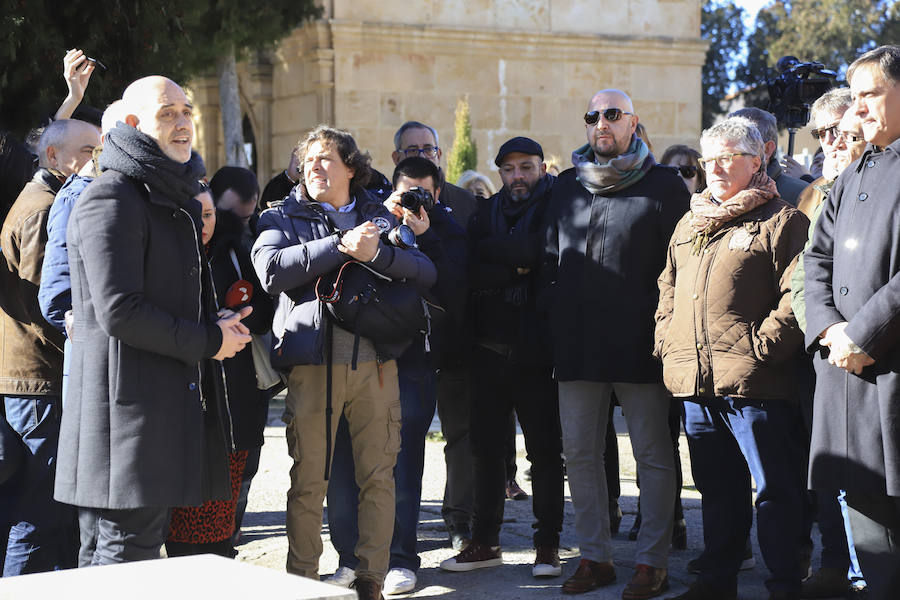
{"x": 295, "y": 246}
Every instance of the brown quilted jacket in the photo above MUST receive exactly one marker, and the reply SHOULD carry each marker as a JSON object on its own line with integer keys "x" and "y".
{"x": 724, "y": 325}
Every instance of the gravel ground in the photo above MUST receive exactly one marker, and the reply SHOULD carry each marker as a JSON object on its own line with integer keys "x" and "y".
{"x": 264, "y": 541}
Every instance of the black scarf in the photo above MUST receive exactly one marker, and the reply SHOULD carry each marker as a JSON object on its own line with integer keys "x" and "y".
{"x": 514, "y": 209}
{"x": 137, "y": 155}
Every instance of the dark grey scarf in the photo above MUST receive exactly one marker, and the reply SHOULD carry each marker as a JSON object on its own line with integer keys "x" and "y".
{"x": 137, "y": 155}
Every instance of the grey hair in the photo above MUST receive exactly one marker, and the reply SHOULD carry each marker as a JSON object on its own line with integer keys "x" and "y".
{"x": 55, "y": 134}
{"x": 469, "y": 176}
{"x": 835, "y": 101}
{"x": 413, "y": 125}
{"x": 740, "y": 131}
{"x": 765, "y": 122}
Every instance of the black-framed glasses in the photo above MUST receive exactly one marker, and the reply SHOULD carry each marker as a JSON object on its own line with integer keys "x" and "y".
{"x": 819, "y": 133}
{"x": 687, "y": 171}
{"x": 427, "y": 151}
{"x": 723, "y": 160}
{"x": 610, "y": 114}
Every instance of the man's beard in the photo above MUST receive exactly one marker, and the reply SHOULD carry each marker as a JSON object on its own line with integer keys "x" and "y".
{"x": 520, "y": 195}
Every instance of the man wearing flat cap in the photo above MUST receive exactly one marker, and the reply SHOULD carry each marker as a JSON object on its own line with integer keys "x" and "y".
{"x": 511, "y": 365}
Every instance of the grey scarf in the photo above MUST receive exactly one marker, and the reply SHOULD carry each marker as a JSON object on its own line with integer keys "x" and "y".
{"x": 615, "y": 174}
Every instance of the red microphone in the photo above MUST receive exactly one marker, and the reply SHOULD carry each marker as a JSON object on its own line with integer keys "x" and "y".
{"x": 239, "y": 294}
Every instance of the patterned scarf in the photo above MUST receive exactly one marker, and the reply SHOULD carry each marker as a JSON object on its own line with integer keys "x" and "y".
{"x": 707, "y": 217}
{"x": 617, "y": 173}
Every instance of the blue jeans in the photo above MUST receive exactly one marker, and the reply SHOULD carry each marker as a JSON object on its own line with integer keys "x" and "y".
{"x": 854, "y": 573}
{"x": 43, "y": 533}
{"x": 417, "y": 401}
{"x": 729, "y": 437}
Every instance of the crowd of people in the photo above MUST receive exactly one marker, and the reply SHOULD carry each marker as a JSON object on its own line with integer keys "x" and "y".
{"x": 149, "y": 314}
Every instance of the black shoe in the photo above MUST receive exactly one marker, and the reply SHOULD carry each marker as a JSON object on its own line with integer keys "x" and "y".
{"x": 460, "y": 536}
{"x": 635, "y": 528}
{"x": 615, "y": 517}
{"x": 679, "y": 535}
{"x": 696, "y": 565}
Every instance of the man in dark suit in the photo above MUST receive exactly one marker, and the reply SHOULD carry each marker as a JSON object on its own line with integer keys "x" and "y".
{"x": 853, "y": 323}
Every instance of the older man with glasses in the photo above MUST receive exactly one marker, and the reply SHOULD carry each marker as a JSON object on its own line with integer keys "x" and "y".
{"x": 611, "y": 218}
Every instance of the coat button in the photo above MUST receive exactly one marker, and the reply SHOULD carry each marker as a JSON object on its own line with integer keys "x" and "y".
{"x": 699, "y": 346}
{"x": 844, "y": 291}
{"x": 695, "y": 296}
{"x": 870, "y": 164}
{"x": 701, "y": 390}
{"x": 194, "y": 271}
{"x": 192, "y": 386}
{"x": 706, "y": 251}
{"x": 863, "y": 197}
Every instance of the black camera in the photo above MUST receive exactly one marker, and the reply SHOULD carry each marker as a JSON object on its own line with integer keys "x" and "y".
{"x": 415, "y": 197}
{"x": 401, "y": 236}
{"x": 796, "y": 88}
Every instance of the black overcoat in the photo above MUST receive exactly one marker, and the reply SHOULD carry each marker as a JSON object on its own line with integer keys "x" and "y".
{"x": 853, "y": 275}
{"x": 604, "y": 255}
{"x": 136, "y": 430}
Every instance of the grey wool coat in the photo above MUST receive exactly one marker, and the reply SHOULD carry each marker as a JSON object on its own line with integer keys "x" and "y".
{"x": 853, "y": 274}
{"x": 140, "y": 426}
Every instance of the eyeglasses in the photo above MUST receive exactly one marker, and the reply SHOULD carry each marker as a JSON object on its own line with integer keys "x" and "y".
{"x": 723, "y": 160}
{"x": 818, "y": 134}
{"x": 610, "y": 114}
{"x": 427, "y": 151}
{"x": 850, "y": 138}
{"x": 687, "y": 171}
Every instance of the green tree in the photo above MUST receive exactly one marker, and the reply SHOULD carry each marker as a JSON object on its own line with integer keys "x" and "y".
{"x": 177, "y": 38}
{"x": 722, "y": 25}
{"x": 464, "y": 154}
{"x": 132, "y": 39}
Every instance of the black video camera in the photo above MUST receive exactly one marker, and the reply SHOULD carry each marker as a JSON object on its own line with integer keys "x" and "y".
{"x": 415, "y": 197}
{"x": 796, "y": 88}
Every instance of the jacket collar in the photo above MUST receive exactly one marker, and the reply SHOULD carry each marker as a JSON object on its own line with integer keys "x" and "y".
{"x": 45, "y": 177}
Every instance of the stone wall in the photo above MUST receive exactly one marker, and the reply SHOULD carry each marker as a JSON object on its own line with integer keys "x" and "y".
{"x": 528, "y": 67}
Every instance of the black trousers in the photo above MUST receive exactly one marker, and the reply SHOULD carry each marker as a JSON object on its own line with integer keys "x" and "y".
{"x": 498, "y": 388}
{"x": 875, "y": 522}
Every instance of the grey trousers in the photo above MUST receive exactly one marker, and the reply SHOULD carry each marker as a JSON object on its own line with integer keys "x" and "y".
{"x": 583, "y": 414}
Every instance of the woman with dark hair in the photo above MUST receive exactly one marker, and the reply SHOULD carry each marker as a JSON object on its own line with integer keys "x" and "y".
{"x": 687, "y": 160}
{"x": 209, "y": 528}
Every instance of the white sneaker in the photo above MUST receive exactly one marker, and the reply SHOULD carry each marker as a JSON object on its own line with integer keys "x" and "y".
{"x": 399, "y": 581}
{"x": 343, "y": 577}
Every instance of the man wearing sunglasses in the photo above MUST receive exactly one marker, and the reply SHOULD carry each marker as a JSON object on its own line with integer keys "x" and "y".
{"x": 611, "y": 219}
{"x": 788, "y": 187}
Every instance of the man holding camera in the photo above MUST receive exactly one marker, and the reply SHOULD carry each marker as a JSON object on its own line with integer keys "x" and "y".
{"x": 511, "y": 368}
{"x": 326, "y": 222}
{"x": 415, "y": 139}
{"x": 415, "y": 202}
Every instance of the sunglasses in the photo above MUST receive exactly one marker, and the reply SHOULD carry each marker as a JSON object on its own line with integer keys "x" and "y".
{"x": 610, "y": 114}
{"x": 818, "y": 134}
{"x": 687, "y": 171}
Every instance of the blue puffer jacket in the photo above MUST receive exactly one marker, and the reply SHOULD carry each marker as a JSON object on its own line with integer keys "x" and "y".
{"x": 295, "y": 246}
{"x": 55, "y": 293}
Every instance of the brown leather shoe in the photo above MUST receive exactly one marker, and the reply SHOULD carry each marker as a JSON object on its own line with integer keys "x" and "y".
{"x": 647, "y": 582}
{"x": 589, "y": 576}
{"x": 514, "y": 491}
{"x": 367, "y": 589}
